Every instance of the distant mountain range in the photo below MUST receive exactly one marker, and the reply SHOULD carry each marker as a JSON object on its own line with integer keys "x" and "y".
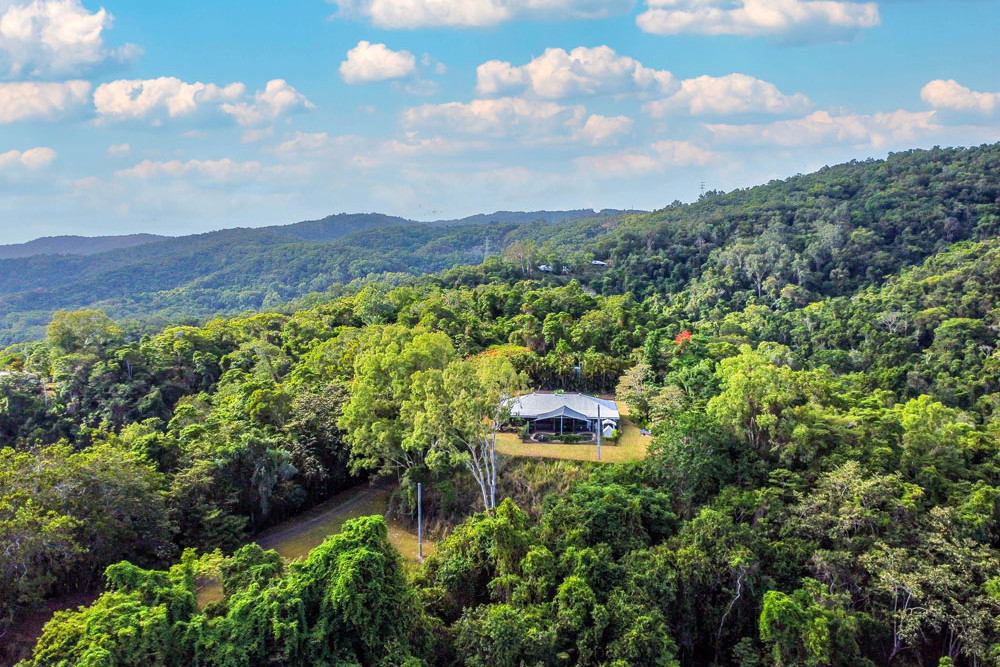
{"x": 75, "y": 245}
{"x": 808, "y": 237}
{"x": 246, "y": 269}
{"x": 326, "y": 229}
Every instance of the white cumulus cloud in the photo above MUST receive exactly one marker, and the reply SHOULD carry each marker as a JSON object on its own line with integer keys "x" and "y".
{"x": 376, "y": 62}
{"x": 137, "y": 99}
{"x": 724, "y": 95}
{"x": 277, "y": 99}
{"x": 602, "y": 129}
{"x": 408, "y": 14}
{"x": 119, "y": 149}
{"x": 168, "y": 97}
{"x": 823, "y": 128}
{"x": 536, "y": 120}
{"x": 28, "y": 100}
{"x": 55, "y": 37}
{"x": 33, "y": 158}
{"x": 582, "y": 71}
{"x": 792, "y": 20}
{"x": 952, "y": 95}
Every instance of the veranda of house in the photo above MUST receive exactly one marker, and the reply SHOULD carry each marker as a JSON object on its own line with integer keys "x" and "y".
{"x": 558, "y": 414}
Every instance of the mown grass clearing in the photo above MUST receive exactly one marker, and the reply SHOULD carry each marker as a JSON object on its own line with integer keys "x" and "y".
{"x": 295, "y": 538}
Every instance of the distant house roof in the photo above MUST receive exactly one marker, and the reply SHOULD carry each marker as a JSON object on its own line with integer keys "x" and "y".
{"x": 19, "y": 374}
{"x": 575, "y": 406}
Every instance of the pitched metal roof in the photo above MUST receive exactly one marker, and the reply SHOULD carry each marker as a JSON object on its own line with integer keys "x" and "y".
{"x": 544, "y": 406}
{"x": 563, "y": 412}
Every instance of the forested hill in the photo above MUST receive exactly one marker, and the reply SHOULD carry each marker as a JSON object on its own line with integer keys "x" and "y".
{"x": 75, "y": 245}
{"x": 521, "y": 217}
{"x": 818, "y": 361}
{"x": 826, "y": 233}
{"x": 822, "y": 487}
{"x": 807, "y": 237}
{"x": 244, "y": 269}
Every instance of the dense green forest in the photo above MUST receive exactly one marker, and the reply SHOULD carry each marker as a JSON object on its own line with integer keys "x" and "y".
{"x": 236, "y": 271}
{"x": 817, "y": 359}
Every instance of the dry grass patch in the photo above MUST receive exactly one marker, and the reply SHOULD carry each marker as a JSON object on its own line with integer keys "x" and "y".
{"x": 296, "y": 537}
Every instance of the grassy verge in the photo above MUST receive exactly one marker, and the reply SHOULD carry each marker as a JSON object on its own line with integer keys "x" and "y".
{"x": 295, "y": 538}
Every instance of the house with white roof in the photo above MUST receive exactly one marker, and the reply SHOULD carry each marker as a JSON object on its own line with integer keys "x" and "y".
{"x": 566, "y": 413}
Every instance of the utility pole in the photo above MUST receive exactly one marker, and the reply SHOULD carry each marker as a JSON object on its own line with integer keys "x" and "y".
{"x": 702, "y": 184}
{"x": 600, "y": 427}
{"x": 493, "y": 471}
{"x": 420, "y": 521}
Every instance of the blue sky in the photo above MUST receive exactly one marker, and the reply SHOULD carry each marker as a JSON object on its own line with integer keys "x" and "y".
{"x": 185, "y": 116}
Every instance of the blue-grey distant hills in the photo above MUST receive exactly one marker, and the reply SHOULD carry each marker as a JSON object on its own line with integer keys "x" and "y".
{"x": 245, "y": 269}
{"x": 819, "y": 235}
{"x": 75, "y": 245}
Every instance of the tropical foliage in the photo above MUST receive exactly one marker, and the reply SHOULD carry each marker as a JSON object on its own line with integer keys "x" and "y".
{"x": 817, "y": 360}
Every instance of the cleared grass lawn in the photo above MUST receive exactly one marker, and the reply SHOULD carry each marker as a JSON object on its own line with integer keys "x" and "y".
{"x": 295, "y": 538}
{"x": 630, "y": 446}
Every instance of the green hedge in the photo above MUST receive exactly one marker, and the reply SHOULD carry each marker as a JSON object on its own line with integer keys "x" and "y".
{"x": 571, "y": 437}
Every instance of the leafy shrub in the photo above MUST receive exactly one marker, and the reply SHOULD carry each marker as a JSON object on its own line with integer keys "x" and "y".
{"x": 570, "y": 438}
